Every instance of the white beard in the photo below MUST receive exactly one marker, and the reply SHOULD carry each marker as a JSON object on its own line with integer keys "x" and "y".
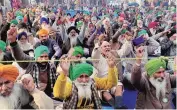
{"x": 2, "y": 56}
{"x": 160, "y": 86}
{"x": 84, "y": 89}
{"x": 26, "y": 46}
{"x": 73, "y": 41}
{"x": 11, "y": 102}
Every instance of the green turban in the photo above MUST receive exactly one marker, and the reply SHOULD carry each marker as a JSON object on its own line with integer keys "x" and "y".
{"x": 40, "y": 50}
{"x": 78, "y": 50}
{"x": 123, "y": 31}
{"x": 86, "y": 12}
{"x": 138, "y": 17}
{"x": 159, "y": 13}
{"x": 174, "y": 10}
{"x": 79, "y": 24}
{"x": 142, "y": 32}
{"x": 14, "y": 22}
{"x": 117, "y": 11}
{"x": 2, "y": 45}
{"x": 82, "y": 68}
{"x": 18, "y": 13}
{"x": 154, "y": 65}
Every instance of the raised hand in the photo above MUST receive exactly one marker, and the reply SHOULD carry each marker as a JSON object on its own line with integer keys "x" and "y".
{"x": 129, "y": 37}
{"x": 139, "y": 54}
{"x": 111, "y": 59}
{"x": 28, "y": 83}
{"x": 86, "y": 19}
{"x": 64, "y": 64}
{"x": 11, "y": 35}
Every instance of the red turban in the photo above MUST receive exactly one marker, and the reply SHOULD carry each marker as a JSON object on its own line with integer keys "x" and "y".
{"x": 9, "y": 72}
{"x": 152, "y": 25}
{"x": 122, "y": 15}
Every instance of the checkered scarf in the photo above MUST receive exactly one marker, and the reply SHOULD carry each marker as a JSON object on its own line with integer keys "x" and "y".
{"x": 51, "y": 71}
{"x": 71, "y": 102}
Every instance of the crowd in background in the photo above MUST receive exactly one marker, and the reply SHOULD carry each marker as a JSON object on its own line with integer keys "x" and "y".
{"x": 85, "y": 58}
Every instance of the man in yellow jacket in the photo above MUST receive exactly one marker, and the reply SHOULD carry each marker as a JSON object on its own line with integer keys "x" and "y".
{"x": 82, "y": 92}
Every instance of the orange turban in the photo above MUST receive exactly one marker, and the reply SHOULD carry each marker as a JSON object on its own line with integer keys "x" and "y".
{"x": 43, "y": 32}
{"x": 9, "y": 72}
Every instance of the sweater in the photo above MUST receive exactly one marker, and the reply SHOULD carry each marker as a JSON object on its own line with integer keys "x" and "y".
{"x": 63, "y": 87}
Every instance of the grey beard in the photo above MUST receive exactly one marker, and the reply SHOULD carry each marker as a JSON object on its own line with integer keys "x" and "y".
{"x": 160, "y": 86}
{"x": 84, "y": 89}
{"x": 26, "y": 46}
{"x": 73, "y": 41}
{"x": 14, "y": 100}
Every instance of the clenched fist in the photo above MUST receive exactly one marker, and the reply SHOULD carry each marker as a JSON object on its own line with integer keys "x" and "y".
{"x": 28, "y": 83}
{"x": 11, "y": 35}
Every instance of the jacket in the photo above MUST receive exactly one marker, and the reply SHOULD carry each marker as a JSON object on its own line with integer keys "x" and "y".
{"x": 127, "y": 51}
{"x": 66, "y": 40}
{"x": 146, "y": 98}
{"x": 3, "y": 32}
{"x": 168, "y": 47}
{"x": 28, "y": 66}
{"x": 53, "y": 47}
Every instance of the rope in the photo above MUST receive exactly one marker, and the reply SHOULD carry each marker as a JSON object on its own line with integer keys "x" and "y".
{"x": 171, "y": 59}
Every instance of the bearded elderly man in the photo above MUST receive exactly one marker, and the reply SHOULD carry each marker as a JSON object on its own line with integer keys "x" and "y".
{"x": 16, "y": 95}
{"x": 82, "y": 92}
{"x": 73, "y": 37}
{"x": 44, "y": 73}
{"x": 155, "y": 86}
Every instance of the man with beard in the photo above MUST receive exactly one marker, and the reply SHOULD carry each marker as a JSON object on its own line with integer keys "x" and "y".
{"x": 23, "y": 43}
{"x": 4, "y": 56}
{"x": 43, "y": 72}
{"x": 155, "y": 85}
{"x": 82, "y": 93}
{"x": 16, "y": 95}
{"x": 75, "y": 54}
{"x": 140, "y": 26}
{"x": 53, "y": 34}
{"x": 73, "y": 37}
{"x": 54, "y": 49}
{"x": 26, "y": 47}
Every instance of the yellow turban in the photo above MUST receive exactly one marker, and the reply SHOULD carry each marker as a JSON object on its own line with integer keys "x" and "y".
{"x": 43, "y": 32}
